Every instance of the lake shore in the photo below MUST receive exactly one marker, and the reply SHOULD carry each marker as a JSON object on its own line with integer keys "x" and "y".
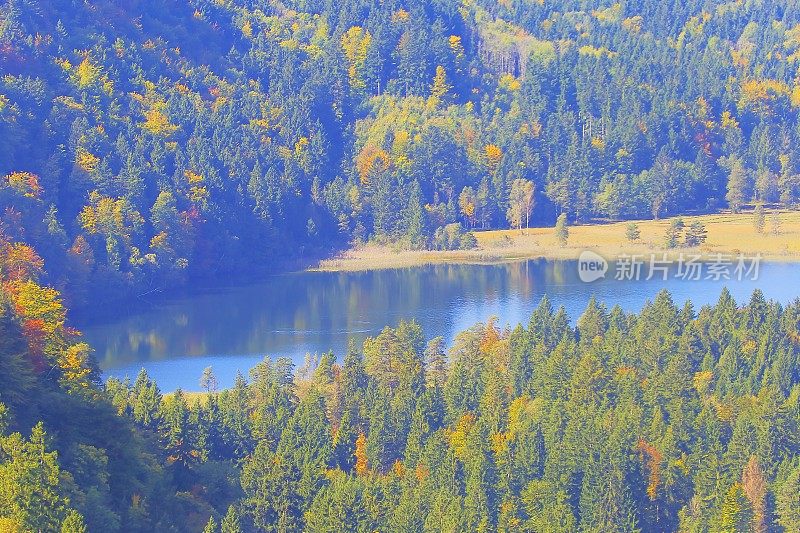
{"x": 728, "y": 233}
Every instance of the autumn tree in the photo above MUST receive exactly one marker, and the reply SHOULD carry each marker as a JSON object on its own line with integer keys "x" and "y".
{"x": 361, "y": 468}
{"x": 355, "y": 44}
{"x": 520, "y": 203}
{"x": 755, "y": 488}
{"x": 467, "y": 204}
{"x": 440, "y": 87}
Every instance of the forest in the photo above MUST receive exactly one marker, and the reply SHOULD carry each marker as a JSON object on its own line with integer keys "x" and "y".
{"x": 149, "y": 145}
{"x": 146, "y": 146}
{"x": 672, "y": 419}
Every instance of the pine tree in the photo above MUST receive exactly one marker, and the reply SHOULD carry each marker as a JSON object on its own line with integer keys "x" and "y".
{"x": 31, "y": 495}
{"x": 788, "y": 500}
{"x": 673, "y": 233}
{"x": 632, "y": 232}
{"x": 562, "y": 230}
{"x": 146, "y": 401}
{"x": 696, "y": 234}
{"x": 759, "y": 218}
{"x": 435, "y": 362}
{"x": 208, "y": 380}
{"x": 232, "y": 523}
{"x": 736, "y": 513}
{"x": 548, "y": 509}
{"x": 211, "y": 526}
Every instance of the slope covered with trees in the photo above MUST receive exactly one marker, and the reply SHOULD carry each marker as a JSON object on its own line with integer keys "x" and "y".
{"x": 670, "y": 419}
{"x": 143, "y": 144}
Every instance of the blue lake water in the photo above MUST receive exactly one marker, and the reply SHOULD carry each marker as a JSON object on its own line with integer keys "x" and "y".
{"x": 232, "y": 328}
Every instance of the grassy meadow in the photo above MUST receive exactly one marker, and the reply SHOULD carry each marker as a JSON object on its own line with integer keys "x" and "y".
{"x": 728, "y": 233}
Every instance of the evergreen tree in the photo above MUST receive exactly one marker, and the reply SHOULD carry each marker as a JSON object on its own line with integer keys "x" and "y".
{"x": 695, "y": 235}
{"x": 562, "y": 230}
{"x": 759, "y": 218}
{"x": 788, "y": 500}
{"x": 632, "y": 232}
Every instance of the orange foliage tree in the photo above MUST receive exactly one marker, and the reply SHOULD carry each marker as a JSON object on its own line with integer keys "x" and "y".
{"x": 651, "y": 457}
{"x": 361, "y": 455}
{"x": 25, "y": 184}
{"x": 19, "y": 261}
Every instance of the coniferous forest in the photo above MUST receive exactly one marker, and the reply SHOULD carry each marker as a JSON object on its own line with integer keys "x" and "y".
{"x": 151, "y": 145}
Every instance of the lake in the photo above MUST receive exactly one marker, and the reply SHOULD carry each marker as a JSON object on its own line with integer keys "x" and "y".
{"x": 232, "y": 328}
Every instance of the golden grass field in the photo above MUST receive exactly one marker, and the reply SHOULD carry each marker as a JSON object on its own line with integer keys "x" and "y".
{"x": 727, "y": 233}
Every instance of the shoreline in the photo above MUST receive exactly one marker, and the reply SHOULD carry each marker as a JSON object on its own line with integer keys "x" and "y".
{"x": 728, "y": 233}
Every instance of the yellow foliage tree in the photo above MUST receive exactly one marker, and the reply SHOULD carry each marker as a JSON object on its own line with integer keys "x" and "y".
{"x": 157, "y": 123}
{"x": 796, "y": 96}
{"x": 247, "y": 29}
{"x": 86, "y": 74}
{"x": 760, "y": 94}
{"x": 361, "y": 455}
{"x": 355, "y": 43}
{"x": 493, "y": 156}
{"x": 651, "y": 457}
{"x": 109, "y": 216}
{"x": 440, "y": 87}
{"x": 398, "y": 468}
{"x": 76, "y": 367}
{"x": 509, "y": 83}
{"x": 193, "y": 178}
{"x": 19, "y": 261}
{"x": 198, "y": 194}
{"x": 456, "y": 47}
{"x": 34, "y": 302}
{"x": 458, "y": 436}
{"x": 86, "y": 160}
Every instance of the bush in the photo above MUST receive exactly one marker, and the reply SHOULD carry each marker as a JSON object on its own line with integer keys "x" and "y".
{"x": 453, "y": 237}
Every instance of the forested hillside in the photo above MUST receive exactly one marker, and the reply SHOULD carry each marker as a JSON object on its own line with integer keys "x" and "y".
{"x": 668, "y": 420}
{"x": 146, "y": 143}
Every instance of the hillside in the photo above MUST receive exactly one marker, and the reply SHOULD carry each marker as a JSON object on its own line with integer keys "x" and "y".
{"x": 147, "y": 144}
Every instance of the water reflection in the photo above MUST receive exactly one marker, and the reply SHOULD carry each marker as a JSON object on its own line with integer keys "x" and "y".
{"x": 295, "y": 314}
